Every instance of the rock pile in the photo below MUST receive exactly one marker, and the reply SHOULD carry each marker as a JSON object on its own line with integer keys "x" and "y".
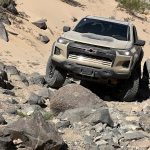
{"x": 33, "y": 116}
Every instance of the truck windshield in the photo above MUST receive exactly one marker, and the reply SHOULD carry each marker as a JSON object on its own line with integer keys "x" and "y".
{"x": 104, "y": 28}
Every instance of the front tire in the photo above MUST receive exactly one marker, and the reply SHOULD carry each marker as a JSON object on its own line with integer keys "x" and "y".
{"x": 128, "y": 89}
{"x": 55, "y": 77}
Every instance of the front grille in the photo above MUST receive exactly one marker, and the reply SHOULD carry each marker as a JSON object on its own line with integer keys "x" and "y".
{"x": 90, "y": 60}
{"x": 92, "y": 54}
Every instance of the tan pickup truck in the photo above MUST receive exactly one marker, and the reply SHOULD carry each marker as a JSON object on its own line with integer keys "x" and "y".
{"x": 100, "y": 50}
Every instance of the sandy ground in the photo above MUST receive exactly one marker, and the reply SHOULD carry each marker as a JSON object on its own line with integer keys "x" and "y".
{"x": 30, "y": 55}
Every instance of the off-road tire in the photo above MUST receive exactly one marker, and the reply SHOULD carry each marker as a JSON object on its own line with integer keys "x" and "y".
{"x": 128, "y": 89}
{"x": 55, "y": 77}
{"x": 146, "y": 73}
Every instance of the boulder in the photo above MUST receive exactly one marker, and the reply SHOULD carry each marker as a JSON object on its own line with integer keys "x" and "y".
{"x": 145, "y": 122}
{"x": 44, "y": 39}
{"x": 3, "y": 75}
{"x": 4, "y": 19}
{"x": 23, "y": 78}
{"x": 133, "y": 135}
{"x": 2, "y": 120}
{"x": 11, "y": 7}
{"x": 5, "y": 3}
{"x": 34, "y": 99}
{"x": 41, "y": 24}
{"x": 35, "y": 133}
{"x": 11, "y": 70}
{"x": 2, "y": 66}
{"x": 36, "y": 78}
{"x": 3, "y": 32}
{"x": 87, "y": 115}
{"x": 6, "y": 143}
{"x": 45, "y": 93}
{"x": 74, "y": 96}
{"x": 27, "y": 110}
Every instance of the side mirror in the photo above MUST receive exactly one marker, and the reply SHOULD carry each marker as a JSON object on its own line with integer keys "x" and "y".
{"x": 139, "y": 43}
{"x": 66, "y": 29}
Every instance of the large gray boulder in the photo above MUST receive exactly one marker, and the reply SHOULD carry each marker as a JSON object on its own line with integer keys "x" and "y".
{"x": 35, "y": 133}
{"x": 3, "y": 32}
{"x": 74, "y": 96}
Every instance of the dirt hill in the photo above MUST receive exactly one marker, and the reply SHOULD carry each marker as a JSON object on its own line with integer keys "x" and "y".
{"x": 25, "y": 51}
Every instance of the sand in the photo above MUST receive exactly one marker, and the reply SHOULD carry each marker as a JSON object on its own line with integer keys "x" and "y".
{"x": 30, "y": 55}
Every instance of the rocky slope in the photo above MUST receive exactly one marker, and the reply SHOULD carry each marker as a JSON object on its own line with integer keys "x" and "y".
{"x": 34, "y": 116}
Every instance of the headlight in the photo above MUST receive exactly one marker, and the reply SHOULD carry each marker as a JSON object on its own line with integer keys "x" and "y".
{"x": 124, "y": 52}
{"x": 63, "y": 40}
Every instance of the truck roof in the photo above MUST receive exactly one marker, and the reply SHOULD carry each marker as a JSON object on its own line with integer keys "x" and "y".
{"x": 110, "y": 20}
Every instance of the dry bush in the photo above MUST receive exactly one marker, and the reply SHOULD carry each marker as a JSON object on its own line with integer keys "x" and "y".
{"x": 134, "y": 5}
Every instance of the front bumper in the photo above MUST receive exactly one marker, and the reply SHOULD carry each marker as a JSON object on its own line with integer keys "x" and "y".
{"x": 81, "y": 71}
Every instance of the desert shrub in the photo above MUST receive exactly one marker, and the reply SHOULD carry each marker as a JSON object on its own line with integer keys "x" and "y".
{"x": 134, "y": 5}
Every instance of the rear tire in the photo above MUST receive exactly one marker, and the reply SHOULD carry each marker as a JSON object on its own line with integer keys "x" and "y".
{"x": 55, "y": 77}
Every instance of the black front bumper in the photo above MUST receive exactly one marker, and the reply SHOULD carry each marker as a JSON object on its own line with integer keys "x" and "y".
{"x": 81, "y": 71}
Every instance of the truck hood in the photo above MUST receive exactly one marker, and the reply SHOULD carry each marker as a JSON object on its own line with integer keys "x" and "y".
{"x": 97, "y": 40}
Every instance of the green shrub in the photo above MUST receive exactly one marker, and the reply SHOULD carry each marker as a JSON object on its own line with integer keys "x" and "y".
{"x": 134, "y": 5}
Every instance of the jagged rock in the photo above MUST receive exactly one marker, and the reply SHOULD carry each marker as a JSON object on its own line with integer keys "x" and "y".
{"x": 2, "y": 66}
{"x": 35, "y": 133}
{"x": 91, "y": 147}
{"x": 12, "y": 101}
{"x": 106, "y": 147}
{"x": 87, "y": 115}
{"x": 44, "y": 39}
{"x": 11, "y": 70}
{"x": 145, "y": 122}
{"x": 62, "y": 124}
{"x": 23, "y": 78}
{"x": 41, "y": 24}
{"x": 4, "y": 19}
{"x": 100, "y": 115}
{"x": 6, "y": 143}
{"x": 2, "y": 120}
{"x": 3, "y": 32}
{"x": 45, "y": 93}
{"x": 36, "y": 78}
{"x": 5, "y": 3}
{"x": 28, "y": 110}
{"x": 74, "y": 96}
{"x": 11, "y": 7}
{"x": 3, "y": 75}
{"x": 8, "y": 92}
{"x": 140, "y": 144}
{"x": 34, "y": 99}
{"x": 8, "y": 108}
{"x": 134, "y": 135}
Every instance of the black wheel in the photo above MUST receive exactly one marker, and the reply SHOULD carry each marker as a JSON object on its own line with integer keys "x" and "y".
{"x": 128, "y": 89}
{"x": 55, "y": 77}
